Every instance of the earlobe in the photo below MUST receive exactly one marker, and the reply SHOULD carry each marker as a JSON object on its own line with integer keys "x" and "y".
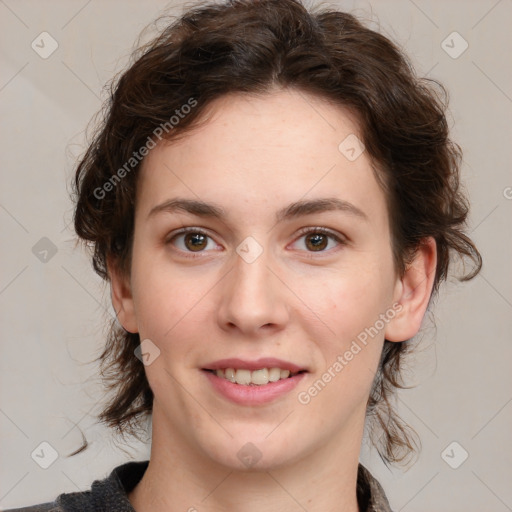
{"x": 413, "y": 292}
{"x": 122, "y": 299}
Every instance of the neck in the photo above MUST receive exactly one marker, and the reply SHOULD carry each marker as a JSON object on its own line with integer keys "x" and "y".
{"x": 324, "y": 480}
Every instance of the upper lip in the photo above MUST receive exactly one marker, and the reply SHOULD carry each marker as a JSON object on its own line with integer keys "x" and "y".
{"x": 263, "y": 362}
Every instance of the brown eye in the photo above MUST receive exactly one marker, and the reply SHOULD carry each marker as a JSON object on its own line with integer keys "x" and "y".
{"x": 191, "y": 240}
{"x": 195, "y": 241}
{"x": 317, "y": 241}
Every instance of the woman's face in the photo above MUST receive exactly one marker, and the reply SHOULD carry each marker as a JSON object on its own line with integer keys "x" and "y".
{"x": 254, "y": 279}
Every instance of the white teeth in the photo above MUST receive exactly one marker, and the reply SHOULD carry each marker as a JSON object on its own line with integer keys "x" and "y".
{"x": 229, "y": 374}
{"x": 274, "y": 374}
{"x": 260, "y": 377}
{"x": 243, "y": 377}
{"x": 256, "y": 377}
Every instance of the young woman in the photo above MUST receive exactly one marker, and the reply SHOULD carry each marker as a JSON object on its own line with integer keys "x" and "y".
{"x": 273, "y": 198}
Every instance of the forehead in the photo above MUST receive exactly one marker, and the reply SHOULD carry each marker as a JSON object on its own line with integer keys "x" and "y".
{"x": 262, "y": 152}
{"x": 288, "y": 125}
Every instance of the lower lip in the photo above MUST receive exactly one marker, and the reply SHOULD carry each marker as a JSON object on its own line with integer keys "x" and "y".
{"x": 252, "y": 394}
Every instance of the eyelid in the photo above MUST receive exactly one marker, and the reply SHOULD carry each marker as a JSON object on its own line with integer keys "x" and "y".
{"x": 184, "y": 231}
{"x": 340, "y": 239}
{"x": 321, "y": 229}
{"x": 188, "y": 229}
{"x": 302, "y": 232}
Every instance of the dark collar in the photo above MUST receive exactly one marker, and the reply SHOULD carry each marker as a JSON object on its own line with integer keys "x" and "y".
{"x": 111, "y": 493}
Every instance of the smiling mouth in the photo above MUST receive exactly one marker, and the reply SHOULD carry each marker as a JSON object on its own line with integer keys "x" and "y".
{"x": 259, "y": 377}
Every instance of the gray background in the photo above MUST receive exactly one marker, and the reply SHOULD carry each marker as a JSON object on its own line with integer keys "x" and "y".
{"x": 53, "y": 312}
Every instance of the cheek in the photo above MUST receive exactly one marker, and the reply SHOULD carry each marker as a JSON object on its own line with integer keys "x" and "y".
{"x": 349, "y": 351}
{"x": 166, "y": 298}
{"x": 349, "y": 301}
{"x": 351, "y": 305}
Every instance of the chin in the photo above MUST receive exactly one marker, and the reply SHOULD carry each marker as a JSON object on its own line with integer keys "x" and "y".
{"x": 254, "y": 453}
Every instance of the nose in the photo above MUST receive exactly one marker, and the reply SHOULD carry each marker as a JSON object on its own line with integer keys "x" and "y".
{"x": 252, "y": 299}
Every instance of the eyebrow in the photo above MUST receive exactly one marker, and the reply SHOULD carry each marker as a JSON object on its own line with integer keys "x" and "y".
{"x": 293, "y": 210}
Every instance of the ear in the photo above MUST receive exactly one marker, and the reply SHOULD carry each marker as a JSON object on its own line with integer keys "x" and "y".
{"x": 122, "y": 299}
{"x": 413, "y": 292}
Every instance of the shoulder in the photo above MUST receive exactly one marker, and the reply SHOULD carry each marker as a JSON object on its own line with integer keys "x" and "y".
{"x": 50, "y": 506}
{"x": 371, "y": 495}
{"x": 107, "y": 495}
{"x": 42, "y": 507}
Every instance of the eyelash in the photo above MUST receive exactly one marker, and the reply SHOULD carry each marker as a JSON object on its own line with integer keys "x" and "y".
{"x": 302, "y": 232}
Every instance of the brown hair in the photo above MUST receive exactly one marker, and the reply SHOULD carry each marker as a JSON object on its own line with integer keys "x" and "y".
{"x": 249, "y": 46}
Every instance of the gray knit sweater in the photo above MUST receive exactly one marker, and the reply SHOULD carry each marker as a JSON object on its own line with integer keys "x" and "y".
{"x": 110, "y": 494}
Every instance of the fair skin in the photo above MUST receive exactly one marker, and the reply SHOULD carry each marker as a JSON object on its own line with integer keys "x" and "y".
{"x": 254, "y": 157}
